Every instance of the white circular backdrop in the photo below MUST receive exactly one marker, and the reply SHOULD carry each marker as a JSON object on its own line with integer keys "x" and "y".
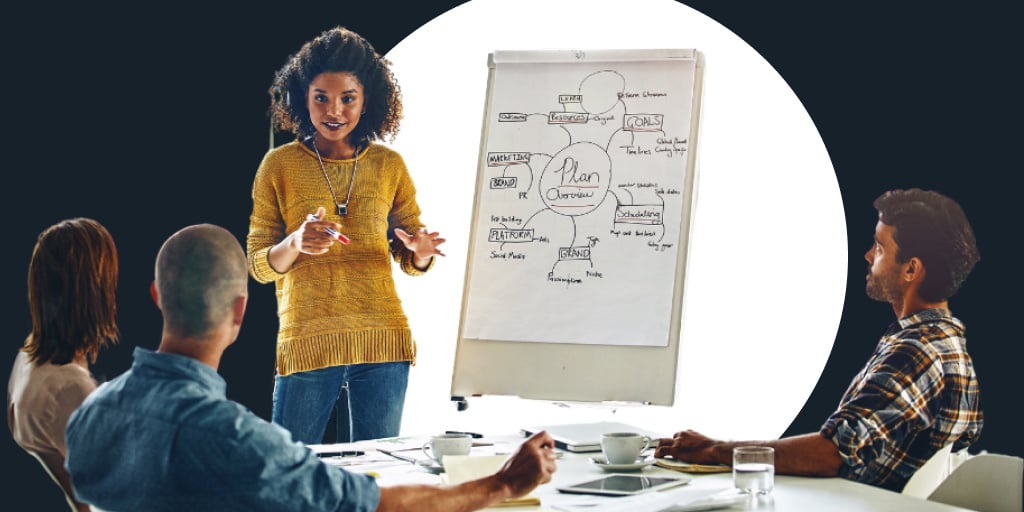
{"x": 767, "y": 266}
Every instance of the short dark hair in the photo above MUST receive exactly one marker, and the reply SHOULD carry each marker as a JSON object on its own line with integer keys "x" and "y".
{"x": 337, "y": 50}
{"x": 200, "y": 271}
{"x": 72, "y": 283}
{"x": 932, "y": 227}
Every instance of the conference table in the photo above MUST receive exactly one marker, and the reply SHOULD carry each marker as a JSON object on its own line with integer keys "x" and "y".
{"x": 790, "y": 493}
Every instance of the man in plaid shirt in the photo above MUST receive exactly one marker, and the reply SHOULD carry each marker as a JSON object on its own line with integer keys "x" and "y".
{"x": 918, "y": 392}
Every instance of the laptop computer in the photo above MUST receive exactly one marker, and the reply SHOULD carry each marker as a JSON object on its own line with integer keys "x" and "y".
{"x": 586, "y": 437}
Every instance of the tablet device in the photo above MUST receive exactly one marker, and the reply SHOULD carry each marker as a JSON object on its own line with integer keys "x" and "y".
{"x": 624, "y": 485}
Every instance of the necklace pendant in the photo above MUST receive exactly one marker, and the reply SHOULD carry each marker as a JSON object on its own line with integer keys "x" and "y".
{"x": 342, "y": 209}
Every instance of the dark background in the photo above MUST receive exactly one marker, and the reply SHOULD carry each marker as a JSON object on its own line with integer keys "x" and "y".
{"x": 152, "y": 120}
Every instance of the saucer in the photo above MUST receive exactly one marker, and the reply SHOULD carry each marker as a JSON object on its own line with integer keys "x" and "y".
{"x": 601, "y": 462}
{"x": 430, "y": 466}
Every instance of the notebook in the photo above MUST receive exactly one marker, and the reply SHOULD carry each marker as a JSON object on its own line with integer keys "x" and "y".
{"x": 463, "y": 468}
{"x": 586, "y": 437}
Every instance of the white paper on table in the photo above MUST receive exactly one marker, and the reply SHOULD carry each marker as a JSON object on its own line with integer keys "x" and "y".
{"x": 646, "y": 501}
{"x": 361, "y": 446}
{"x": 712, "y": 499}
{"x": 387, "y": 443}
{"x": 400, "y": 443}
{"x": 677, "y": 500}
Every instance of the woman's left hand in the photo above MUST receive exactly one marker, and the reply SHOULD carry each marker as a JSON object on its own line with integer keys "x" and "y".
{"x": 423, "y": 243}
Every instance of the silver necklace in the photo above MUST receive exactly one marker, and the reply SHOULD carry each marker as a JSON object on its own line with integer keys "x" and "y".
{"x": 341, "y": 208}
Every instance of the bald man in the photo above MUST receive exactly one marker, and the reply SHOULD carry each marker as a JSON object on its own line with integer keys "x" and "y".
{"x": 164, "y": 436}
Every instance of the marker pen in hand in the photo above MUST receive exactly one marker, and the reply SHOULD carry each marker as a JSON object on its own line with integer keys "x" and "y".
{"x": 330, "y": 231}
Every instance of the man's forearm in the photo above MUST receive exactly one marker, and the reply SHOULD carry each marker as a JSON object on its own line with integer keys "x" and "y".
{"x": 466, "y": 497}
{"x": 804, "y": 455}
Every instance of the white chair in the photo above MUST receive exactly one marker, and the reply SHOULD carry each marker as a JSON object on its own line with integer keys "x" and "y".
{"x": 931, "y": 474}
{"x": 987, "y": 482}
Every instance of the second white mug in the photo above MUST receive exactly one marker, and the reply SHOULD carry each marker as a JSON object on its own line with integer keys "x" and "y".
{"x": 447, "y": 444}
{"x": 623, "y": 447}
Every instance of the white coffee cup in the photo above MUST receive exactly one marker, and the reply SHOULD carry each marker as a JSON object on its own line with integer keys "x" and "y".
{"x": 447, "y": 444}
{"x": 623, "y": 447}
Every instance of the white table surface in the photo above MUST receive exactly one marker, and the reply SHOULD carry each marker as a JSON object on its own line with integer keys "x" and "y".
{"x": 790, "y": 493}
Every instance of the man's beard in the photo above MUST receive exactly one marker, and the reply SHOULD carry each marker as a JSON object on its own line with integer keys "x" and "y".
{"x": 884, "y": 288}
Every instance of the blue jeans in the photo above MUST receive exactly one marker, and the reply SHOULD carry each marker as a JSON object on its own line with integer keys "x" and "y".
{"x": 368, "y": 399}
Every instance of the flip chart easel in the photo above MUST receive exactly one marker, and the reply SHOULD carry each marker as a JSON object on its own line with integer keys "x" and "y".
{"x": 584, "y": 200}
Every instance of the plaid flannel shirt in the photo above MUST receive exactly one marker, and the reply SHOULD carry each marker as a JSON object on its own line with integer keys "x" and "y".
{"x": 917, "y": 393}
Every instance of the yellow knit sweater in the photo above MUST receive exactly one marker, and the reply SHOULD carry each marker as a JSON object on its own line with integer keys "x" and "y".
{"x": 340, "y": 307}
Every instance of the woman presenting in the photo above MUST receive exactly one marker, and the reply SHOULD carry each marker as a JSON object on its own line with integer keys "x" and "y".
{"x": 331, "y": 209}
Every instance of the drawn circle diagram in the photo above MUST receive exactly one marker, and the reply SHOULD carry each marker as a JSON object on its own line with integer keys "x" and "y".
{"x": 601, "y": 91}
{"x": 576, "y": 179}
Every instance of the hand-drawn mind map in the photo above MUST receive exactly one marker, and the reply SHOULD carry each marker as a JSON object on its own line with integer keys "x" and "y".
{"x": 580, "y": 203}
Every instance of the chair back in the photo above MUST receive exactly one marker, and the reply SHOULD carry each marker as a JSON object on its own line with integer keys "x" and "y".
{"x": 930, "y": 475}
{"x": 987, "y": 482}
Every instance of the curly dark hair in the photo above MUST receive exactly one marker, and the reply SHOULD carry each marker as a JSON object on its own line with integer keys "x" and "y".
{"x": 337, "y": 50}
{"x": 933, "y": 228}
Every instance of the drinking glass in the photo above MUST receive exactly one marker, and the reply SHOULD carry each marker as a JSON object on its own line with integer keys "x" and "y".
{"x": 753, "y": 469}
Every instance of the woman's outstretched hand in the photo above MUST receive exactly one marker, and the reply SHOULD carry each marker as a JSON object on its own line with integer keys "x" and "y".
{"x": 424, "y": 244}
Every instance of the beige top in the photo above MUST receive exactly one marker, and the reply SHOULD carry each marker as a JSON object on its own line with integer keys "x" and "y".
{"x": 40, "y": 399}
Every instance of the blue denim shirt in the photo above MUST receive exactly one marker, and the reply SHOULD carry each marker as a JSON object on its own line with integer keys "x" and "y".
{"x": 164, "y": 436}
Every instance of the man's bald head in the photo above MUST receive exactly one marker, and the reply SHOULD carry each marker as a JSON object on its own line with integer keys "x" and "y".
{"x": 200, "y": 272}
